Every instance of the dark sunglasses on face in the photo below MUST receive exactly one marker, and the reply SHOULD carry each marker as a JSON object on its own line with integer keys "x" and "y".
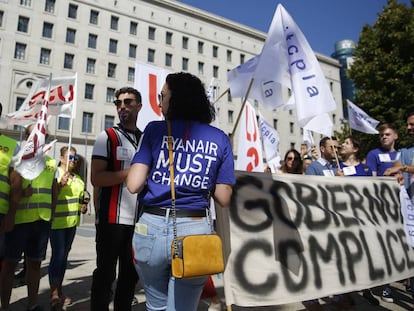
{"x": 291, "y": 158}
{"x": 127, "y": 102}
{"x": 73, "y": 157}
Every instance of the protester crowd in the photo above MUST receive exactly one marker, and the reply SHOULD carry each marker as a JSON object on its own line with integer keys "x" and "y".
{"x": 132, "y": 200}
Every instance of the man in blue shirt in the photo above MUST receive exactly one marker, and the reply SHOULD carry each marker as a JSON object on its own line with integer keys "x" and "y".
{"x": 324, "y": 166}
{"x": 382, "y": 158}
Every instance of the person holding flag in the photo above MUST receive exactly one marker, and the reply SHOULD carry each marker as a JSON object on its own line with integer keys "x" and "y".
{"x": 30, "y": 234}
{"x": 70, "y": 203}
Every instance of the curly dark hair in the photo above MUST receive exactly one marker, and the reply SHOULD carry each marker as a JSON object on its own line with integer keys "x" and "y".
{"x": 188, "y": 99}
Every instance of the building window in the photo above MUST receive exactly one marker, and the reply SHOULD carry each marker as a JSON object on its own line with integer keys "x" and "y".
{"x": 26, "y": 3}
{"x": 92, "y": 40}
{"x": 45, "y": 56}
{"x": 229, "y": 56}
{"x": 23, "y": 24}
{"x": 131, "y": 74}
{"x": 133, "y": 28}
{"x": 19, "y": 102}
{"x": 110, "y": 94}
{"x": 230, "y": 116}
{"x": 242, "y": 57}
{"x": 50, "y": 6}
{"x": 291, "y": 127}
{"x": 20, "y": 51}
{"x": 185, "y": 43}
{"x": 93, "y": 17}
{"x": 1, "y": 18}
{"x": 334, "y": 118}
{"x": 215, "y": 51}
{"x": 87, "y": 122}
{"x": 168, "y": 59}
{"x": 72, "y": 11}
{"x": 114, "y": 22}
{"x": 151, "y": 55}
{"x": 111, "y": 70}
{"x": 200, "y": 47}
{"x": 113, "y": 46}
{"x": 151, "y": 33}
{"x": 132, "y": 51}
{"x": 109, "y": 121}
{"x": 215, "y": 71}
{"x": 90, "y": 65}
{"x": 185, "y": 64}
{"x": 63, "y": 123}
{"x": 292, "y": 145}
{"x": 275, "y": 124}
{"x": 200, "y": 68}
{"x": 168, "y": 38}
{"x": 47, "y": 30}
{"x": 89, "y": 90}
{"x": 70, "y": 35}
{"x": 68, "y": 62}
{"x": 229, "y": 98}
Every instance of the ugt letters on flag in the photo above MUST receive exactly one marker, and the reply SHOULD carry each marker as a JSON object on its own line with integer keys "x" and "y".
{"x": 62, "y": 100}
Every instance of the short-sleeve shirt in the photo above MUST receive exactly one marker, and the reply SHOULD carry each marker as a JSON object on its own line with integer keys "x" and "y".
{"x": 203, "y": 157}
{"x": 116, "y": 204}
{"x": 379, "y": 160}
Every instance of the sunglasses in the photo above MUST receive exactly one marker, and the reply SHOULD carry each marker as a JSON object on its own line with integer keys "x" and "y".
{"x": 73, "y": 157}
{"x": 126, "y": 101}
{"x": 291, "y": 158}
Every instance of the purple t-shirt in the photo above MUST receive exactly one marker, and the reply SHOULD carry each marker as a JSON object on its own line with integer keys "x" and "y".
{"x": 203, "y": 157}
{"x": 379, "y": 160}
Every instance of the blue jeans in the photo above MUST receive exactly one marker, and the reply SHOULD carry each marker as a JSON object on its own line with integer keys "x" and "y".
{"x": 152, "y": 254}
{"x": 61, "y": 242}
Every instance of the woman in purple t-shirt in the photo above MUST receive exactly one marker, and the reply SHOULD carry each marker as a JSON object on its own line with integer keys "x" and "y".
{"x": 203, "y": 168}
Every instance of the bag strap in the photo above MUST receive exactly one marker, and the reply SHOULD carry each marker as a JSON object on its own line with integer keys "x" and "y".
{"x": 172, "y": 185}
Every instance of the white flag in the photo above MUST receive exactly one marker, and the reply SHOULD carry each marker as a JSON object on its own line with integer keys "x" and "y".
{"x": 310, "y": 88}
{"x": 30, "y": 161}
{"x": 212, "y": 94}
{"x": 149, "y": 81}
{"x": 249, "y": 152}
{"x": 360, "y": 121}
{"x": 62, "y": 100}
{"x": 270, "y": 138}
{"x": 308, "y": 139}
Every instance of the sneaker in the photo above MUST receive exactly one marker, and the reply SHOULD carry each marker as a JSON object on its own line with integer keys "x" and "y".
{"x": 387, "y": 295}
{"x": 367, "y": 294}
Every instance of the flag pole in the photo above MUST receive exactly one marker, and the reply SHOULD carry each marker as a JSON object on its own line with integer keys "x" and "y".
{"x": 221, "y": 95}
{"x": 242, "y": 107}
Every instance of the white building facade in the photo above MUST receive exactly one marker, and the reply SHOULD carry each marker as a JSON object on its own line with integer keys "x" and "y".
{"x": 101, "y": 41}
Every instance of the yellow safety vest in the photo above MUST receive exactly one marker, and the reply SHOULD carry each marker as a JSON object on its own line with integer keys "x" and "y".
{"x": 69, "y": 203}
{"x": 7, "y": 148}
{"x": 39, "y": 204}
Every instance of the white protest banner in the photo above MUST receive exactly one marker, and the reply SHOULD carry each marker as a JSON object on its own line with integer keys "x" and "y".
{"x": 149, "y": 81}
{"x": 293, "y": 238}
{"x": 249, "y": 151}
{"x": 360, "y": 121}
{"x": 62, "y": 100}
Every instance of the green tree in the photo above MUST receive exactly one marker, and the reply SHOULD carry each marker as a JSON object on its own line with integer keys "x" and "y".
{"x": 383, "y": 69}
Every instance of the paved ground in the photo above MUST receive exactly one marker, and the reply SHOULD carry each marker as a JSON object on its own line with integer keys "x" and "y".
{"x": 82, "y": 262}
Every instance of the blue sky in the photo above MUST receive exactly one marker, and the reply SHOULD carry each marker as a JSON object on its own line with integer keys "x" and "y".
{"x": 323, "y": 22}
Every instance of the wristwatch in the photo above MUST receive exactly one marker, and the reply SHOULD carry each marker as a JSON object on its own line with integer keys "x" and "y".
{"x": 405, "y": 168}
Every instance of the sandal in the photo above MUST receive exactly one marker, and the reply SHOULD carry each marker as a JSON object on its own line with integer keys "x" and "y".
{"x": 56, "y": 304}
